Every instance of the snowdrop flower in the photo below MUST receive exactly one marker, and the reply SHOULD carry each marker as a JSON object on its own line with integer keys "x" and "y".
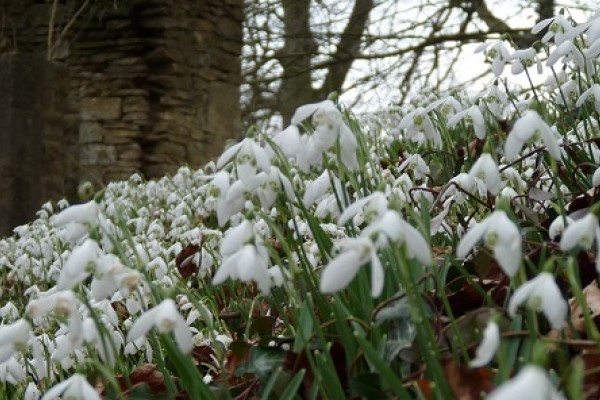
{"x": 525, "y": 58}
{"x": 497, "y": 53}
{"x": 418, "y": 122}
{"x": 250, "y": 262}
{"x": 541, "y": 292}
{"x": 270, "y": 185}
{"x": 447, "y": 106}
{"x": 569, "y": 93}
{"x": 166, "y": 318}
{"x": 569, "y": 52}
{"x": 416, "y": 163}
{"x": 228, "y": 203}
{"x": 596, "y": 178}
{"x": 76, "y": 387}
{"x": 316, "y": 189}
{"x": 495, "y": 100}
{"x": 12, "y": 371}
{"x": 593, "y": 93}
{"x": 557, "y": 226}
{"x": 583, "y": 232}
{"x": 63, "y": 303}
{"x": 465, "y": 182}
{"x": 530, "y": 126}
{"x": 559, "y": 29}
{"x": 373, "y": 206}
{"x": 396, "y": 229}
{"x": 236, "y": 237}
{"x": 248, "y": 155}
{"x": 80, "y": 264}
{"x": 499, "y": 234}
{"x": 12, "y": 337}
{"x": 9, "y": 312}
{"x": 532, "y": 383}
{"x": 76, "y": 220}
{"x": 329, "y": 127}
{"x": 472, "y": 116}
{"x": 488, "y": 346}
{"x": 32, "y": 392}
{"x": 288, "y": 140}
{"x": 355, "y": 252}
{"x": 485, "y": 168}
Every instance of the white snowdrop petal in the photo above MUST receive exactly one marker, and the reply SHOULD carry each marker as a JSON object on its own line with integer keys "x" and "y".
{"x": 339, "y": 272}
{"x": 488, "y": 346}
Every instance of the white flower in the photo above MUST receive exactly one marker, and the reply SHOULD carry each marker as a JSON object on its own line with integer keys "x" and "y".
{"x": 465, "y": 182}
{"x": 569, "y": 93}
{"x": 485, "y": 168}
{"x": 532, "y": 383}
{"x": 499, "y": 234}
{"x": 558, "y": 226}
{"x": 396, "y": 229}
{"x": 569, "y": 51}
{"x": 418, "y": 122}
{"x": 230, "y": 198}
{"x": 593, "y": 93}
{"x": 86, "y": 213}
{"x": 237, "y": 237}
{"x": 373, "y": 206}
{"x": 268, "y": 186}
{"x": 75, "y": 388}
{"x": 559, "y": 28}
{"x": 80, "y": 264}
{"x": 316, "y": 189}
{"x": 12, "y": 337}
{"x": 250, "y": 262}
{"x": 329, "y": 127}
{"x": 355, "y": 252}
{"x": 497, "y": 53}
{"x": 530, "y": 126}
{"x": 525, "y": 58}
{"x": 416, "y": 163}
{"x": 596, "y": 178}
{"x": 288, "y": 140}
{"x": 582, "y": 232}
{"x": 166, "y": 318}
{"x": 495, "y": 100}
{"x": 541, "y": 292}
{"x": 447, "y": 106}
{"x": 12, "y": 371}
{"x": 32, "y": 392}
{"x": 471, "y": 116}
{"x": 249, "y": 156}
{"x": 63, "y": 303}
{"x": 76, "y": 220}
{"x": 488, "y": 346}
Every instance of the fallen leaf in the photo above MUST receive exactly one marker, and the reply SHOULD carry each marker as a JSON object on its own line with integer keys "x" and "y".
{"x": 185, "y": 262}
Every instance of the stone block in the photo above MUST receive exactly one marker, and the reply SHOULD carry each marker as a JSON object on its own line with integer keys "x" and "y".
{"x": 100, "y": 108}
{"x": 120, "y": 136}
{"x": 223, "y": 111}
{"x": 90, "y": 132}
{"x": 131, "y": 151}
{"x": 98, "y": 154}
{"x": 135, "y": 104}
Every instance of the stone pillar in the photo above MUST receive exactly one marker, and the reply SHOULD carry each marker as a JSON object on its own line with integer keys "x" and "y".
{"x": 30, "y": 113}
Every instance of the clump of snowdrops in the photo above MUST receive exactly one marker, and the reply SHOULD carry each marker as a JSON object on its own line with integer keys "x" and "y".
{"x": 444, "y": 248}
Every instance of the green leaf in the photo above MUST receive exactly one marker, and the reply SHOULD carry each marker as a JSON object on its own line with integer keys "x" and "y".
{"x": 401, "y": 328}
{"x": 290, "y": 391}
{"x": 262, "y": 362}
{"x": 305, "y": 328}
{"x": 366, "y": 386}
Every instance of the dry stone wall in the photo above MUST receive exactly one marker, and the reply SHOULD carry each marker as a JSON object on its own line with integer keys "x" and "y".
{"x": 150, "y": 87}
{"x": 31, "y": 109}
